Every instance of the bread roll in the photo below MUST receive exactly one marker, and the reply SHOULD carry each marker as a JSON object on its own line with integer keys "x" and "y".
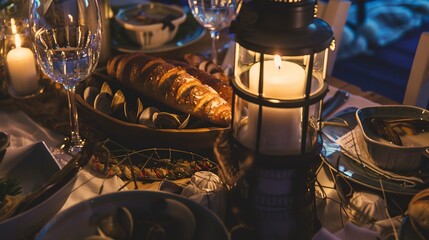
{"x": 418, "y": 211}
{"x": 171, "y": 85}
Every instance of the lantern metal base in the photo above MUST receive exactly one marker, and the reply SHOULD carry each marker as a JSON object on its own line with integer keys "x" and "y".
{"x": 273, "y": 197}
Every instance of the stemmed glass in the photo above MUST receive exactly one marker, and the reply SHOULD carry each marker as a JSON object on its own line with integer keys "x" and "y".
{"x": 215, "y": 15}
{"x": 66, "y": 37}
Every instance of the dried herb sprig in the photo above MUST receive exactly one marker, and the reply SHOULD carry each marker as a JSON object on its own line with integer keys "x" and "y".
{"x": 9, "y": 186}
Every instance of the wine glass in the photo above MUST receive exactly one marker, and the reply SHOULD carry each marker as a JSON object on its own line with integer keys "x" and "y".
{"x": 66, "y": 37}
{"x": 214, "y": 15}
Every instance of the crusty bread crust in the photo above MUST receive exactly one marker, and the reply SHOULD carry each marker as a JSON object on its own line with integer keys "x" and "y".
{"x": 418, "y": 211}
{"x": 173, "y": 86}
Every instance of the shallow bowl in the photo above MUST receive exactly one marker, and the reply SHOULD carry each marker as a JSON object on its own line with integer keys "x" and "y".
{"x": 77, "y": 222}
{"x": 415, "y": 147}
{"x": 151, "y": 24}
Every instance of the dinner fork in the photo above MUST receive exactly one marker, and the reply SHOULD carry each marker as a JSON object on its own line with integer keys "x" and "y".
{"x": 385, "y": 131}
{"x": 388, "y": 129}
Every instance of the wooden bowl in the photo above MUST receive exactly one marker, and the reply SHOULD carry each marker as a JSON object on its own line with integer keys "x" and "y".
{"x": 199, "y": 138}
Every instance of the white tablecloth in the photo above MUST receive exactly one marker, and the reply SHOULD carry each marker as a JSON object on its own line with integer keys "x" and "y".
{"x": 24, "y": 131}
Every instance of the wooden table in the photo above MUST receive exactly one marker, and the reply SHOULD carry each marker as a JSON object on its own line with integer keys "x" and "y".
{"x": 357, "y": 91}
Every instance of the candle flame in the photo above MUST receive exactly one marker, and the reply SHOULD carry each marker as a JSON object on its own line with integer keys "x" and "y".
{"x": 17, "y": 41}
{"x": 13, "y": 25}
{"x": 278, "y": 61}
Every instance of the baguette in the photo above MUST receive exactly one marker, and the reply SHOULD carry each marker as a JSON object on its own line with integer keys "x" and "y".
{"x": 171, "y": 85}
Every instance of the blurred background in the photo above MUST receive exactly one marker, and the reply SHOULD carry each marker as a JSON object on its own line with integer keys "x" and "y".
{"x": 377, "y": 49}
{"x": 379, "y": 43}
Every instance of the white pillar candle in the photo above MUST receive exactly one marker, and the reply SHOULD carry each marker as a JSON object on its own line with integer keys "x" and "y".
{"x": 281, "y": 128}
{"x": 21, "y": 66}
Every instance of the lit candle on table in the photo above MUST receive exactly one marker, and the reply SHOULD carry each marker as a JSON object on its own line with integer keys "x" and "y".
{"x": 281, "y": 128}
{"x": 21, "y": 66}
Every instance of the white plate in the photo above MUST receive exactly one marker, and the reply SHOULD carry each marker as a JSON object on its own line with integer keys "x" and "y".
{"x": 77, "y": 222}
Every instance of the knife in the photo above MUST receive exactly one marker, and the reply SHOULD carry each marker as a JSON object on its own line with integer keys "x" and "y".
{"x": 329, "y": 106}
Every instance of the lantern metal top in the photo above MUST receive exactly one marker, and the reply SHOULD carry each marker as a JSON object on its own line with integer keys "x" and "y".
{"x": 282, "y": 27}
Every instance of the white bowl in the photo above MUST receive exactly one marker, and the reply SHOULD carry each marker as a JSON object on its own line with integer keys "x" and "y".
{"x": 415, "y": 148}
{"x": 32, "y": 166}
{"x": 151, "y": 24}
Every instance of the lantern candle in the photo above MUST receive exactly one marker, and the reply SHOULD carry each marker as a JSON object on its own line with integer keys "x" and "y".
{"x": 21, "y": 66}
{"x": 280, "y": 128}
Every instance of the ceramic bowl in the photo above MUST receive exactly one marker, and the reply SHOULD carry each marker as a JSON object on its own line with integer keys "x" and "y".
{"x": 151, "y": 24}
{"x": 399, "y": 158}
{"x": 32, "y": 166}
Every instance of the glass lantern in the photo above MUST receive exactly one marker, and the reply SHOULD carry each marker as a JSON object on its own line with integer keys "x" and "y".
{"x": 272, "y": 153}
{"x": 279, "y": 79}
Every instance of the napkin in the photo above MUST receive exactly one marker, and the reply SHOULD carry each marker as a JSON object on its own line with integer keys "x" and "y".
{"x": 349, "y": 232}
{"x": 88, "y": 186}
{"x": 354, "y": 232}
{"x": 205, "y": 188}
{"x": 353, "y": 145}
{"x": 365, "y": 207}
{"x": 387, "y": 228}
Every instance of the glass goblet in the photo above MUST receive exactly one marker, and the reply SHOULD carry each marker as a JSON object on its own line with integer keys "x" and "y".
{"x": 214, "y": 15}
{"x": 66, "y": 36}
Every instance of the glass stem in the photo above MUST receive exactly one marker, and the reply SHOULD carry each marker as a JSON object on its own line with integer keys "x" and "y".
{"x": 214, "y": 36}
{"x": 76, "y": 142}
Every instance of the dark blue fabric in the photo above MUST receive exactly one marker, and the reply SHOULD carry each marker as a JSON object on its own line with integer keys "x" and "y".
{"x": 386, "y": 69}
{"x": 382, "y": 53}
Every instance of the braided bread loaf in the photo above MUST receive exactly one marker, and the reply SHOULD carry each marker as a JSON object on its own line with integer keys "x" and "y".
{"x": 418, "y": 211}
{"x": 171, "y": 85}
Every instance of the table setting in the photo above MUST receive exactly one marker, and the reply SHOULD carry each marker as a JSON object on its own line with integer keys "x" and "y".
{"x": 158, "y": 131}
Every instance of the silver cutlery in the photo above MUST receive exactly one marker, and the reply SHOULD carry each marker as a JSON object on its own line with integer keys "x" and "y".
{"x": 329, "y": 106}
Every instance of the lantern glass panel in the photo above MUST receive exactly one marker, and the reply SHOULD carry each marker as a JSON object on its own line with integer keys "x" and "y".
{"x": 278, "y": 130}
